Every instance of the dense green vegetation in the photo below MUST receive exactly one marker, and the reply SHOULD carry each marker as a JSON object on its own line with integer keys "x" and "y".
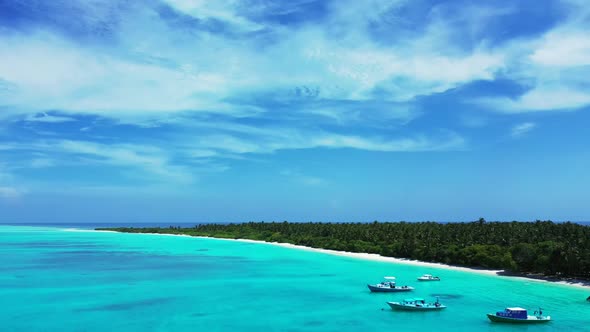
{"x": 542, "y": 247}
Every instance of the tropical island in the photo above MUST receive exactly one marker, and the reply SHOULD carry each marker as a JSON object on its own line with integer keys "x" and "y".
{"x": 541, "y": 248}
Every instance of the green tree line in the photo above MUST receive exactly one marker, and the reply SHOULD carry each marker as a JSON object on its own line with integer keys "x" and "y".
{"x": 542, "y": 247}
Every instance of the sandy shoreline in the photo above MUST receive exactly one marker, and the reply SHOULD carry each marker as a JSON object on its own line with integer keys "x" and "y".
{"x": 378, "y": 258}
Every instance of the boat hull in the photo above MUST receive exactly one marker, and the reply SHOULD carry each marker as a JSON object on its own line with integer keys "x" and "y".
{"x": 399, "y": 306}
{"x": 529, "y": 320}
{"x": 396, "y": 289}
{"x": 428, "y": 279}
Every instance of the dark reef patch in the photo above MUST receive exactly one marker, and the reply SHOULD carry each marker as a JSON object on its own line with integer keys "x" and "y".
{"x": 128, "y": 305}
{"x": 448, "y": 296}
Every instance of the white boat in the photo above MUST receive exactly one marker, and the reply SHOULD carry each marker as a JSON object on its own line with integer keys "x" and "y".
{"x": 428, "y": 277}
{"x": 518, "y": 315}
{"x": 416, "y": 304}
{"x": 388, "y": 286}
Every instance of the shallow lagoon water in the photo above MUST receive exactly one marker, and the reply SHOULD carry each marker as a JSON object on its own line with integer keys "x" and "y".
{"x": 55, "y": 279}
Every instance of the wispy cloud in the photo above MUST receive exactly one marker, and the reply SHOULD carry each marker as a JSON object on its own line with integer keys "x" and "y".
{"x": 420, "y": 143}
{"x": 10, "y": 192}
{"x": 218, "y": 11}
{"x": 146, "y": 158}
{"x": 183, "y": 159}
{"x": 149, "y": 163}
{"x": 48, "y": 118}
{"x": 7, "y": 188}
{"x": 42, "y": 163}
{"x": 165, "y": 91}
{"x": 46, "y": 71}
{"x": 563, "y": 49}
{"x": 555, "y": 98}
{"x": 292, "y": 140}
{"x": 303, "y": 179}
{"x": 209, "y": 100}
{"x": 170, "y": 71}
{"x": 200, "y": 56}
{"x": 554, "y": 67}
{"x": 522, "y": 129}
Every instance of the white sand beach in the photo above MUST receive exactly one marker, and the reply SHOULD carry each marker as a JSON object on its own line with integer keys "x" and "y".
{"x": 379, "y": 258}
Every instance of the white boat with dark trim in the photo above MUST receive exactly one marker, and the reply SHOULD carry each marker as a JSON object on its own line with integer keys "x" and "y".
{"x": 416, "y": 304}
{"x": 428, "y": 277}
{"x": 388, "y": 286}
{"x": 518, "y": 315}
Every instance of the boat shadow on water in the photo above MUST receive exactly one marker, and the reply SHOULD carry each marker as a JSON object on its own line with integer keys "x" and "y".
{"x": 447, "y": 296}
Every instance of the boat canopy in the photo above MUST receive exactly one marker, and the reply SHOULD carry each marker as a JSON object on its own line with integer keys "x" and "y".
{"x": 417, "y": 299}
{"x": 389, "y": 278}
{"x": 516, "y": 309}
{"x": 427, "y": 275}
{"x": 514, "y": 313}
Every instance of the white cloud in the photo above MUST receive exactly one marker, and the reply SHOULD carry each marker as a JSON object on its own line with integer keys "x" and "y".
{"x": 278, "y": 139}
{"x": 7, "y": 189}
{"x": 165, "y": 159}
{"x": 50, "y": 73}
{"x": 555, "y": 66}
{"x": 225, "y": 11}
{"x": 148, "y": 159}
{"x": 402, "y": 71}
{"x": 10, "y": 192}
{"x": 157, "y": 69}
{"x": 234, "y": 138}
{"x": 48, "y": 118}
{"x": 540, "y": 99}
{"x": 563, "y": 49}
{"x": 473, "y": 121}
{"x": 419, "y": 143}
{"x": 203, "y": 153}
{"x": 307, "y": 180}
{"x": 522, "y": 129}
{"x": 42, "y": 163}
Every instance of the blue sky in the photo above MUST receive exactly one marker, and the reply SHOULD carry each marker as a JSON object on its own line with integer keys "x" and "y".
{"x": 191, "y": 111}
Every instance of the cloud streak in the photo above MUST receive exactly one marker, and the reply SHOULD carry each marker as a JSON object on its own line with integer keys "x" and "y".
{"x": 7, "y": 189}
{"x": 522, "y": 129}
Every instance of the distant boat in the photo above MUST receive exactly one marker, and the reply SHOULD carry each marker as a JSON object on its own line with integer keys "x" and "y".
{"x": 519, "y": 316}
{"x": 428, "y": 277}
{"x": 416, "y": 304}
{"x": 388, "y": 286}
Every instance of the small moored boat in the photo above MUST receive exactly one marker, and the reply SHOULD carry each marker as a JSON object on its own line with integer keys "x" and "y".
{"x": 388, "y": 286}
{"x": 428, "y": 277}
{"x": 416, "y": 304}
{"x": 519, "y": 316}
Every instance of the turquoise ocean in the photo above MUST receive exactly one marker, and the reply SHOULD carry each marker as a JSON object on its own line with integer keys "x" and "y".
{"x": 56, "y": 279}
